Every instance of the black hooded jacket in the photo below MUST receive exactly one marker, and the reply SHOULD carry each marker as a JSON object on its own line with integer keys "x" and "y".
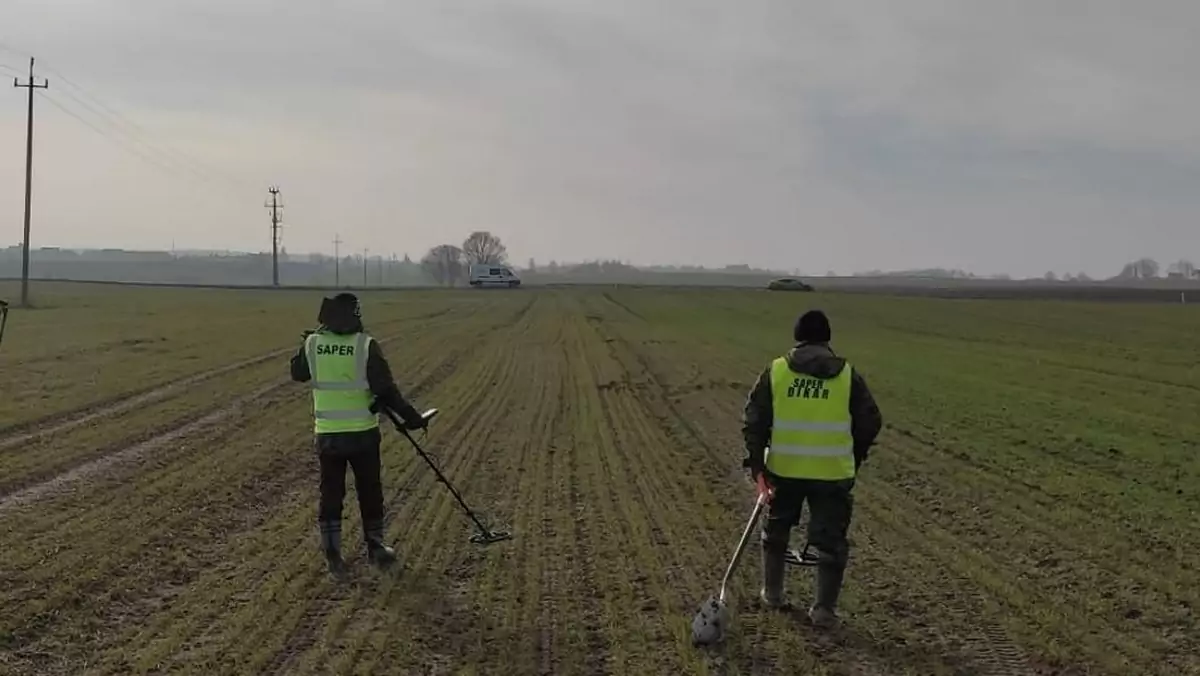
{"x": 817, "y": 360}
{"x": 379, "y": 373}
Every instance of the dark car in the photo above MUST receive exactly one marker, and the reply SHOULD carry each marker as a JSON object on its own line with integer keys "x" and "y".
{"x": 788, "y": 284}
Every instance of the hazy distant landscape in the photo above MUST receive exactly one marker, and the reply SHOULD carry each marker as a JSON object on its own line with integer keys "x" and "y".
{"x": 240, "y": 269}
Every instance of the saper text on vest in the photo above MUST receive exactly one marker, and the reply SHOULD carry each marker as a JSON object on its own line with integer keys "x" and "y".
{"x": 807, "y": 388}
{"x": 342, "y": 350}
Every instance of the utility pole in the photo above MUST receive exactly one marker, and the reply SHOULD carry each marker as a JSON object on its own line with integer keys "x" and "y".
{"x": 365, "y": 267}
{"x": 337, "y": 262}
{"x": 31, "y": 85}
{"x": 275, "y": 206}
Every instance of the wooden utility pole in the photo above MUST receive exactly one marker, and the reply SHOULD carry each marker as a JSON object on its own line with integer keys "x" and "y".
{"x": 30, "y": 85}
{"x": 276, "y": 219}
{"x": 337, "y": 261}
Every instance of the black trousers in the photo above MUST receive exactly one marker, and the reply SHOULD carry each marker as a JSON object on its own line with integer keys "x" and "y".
{"x": 359, "y": 450}
{"x": 831, "y": 506}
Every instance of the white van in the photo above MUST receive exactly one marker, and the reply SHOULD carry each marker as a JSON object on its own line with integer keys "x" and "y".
{"x": 492, "y": 275}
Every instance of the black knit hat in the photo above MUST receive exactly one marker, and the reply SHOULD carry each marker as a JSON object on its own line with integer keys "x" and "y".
{"x": 812, "y": 327}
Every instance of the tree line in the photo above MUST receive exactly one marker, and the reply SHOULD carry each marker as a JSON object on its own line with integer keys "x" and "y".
{"x": 448, "y": 264}
{"x": 1147, "y": 268}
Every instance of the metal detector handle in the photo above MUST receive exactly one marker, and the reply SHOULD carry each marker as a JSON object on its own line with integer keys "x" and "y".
{"x": 427, "y": 416}
{"x": 3, "y": 317}
{"x": 737, "y": 554}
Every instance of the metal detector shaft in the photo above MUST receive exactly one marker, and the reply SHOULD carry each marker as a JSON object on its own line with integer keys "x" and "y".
{"x": 3, "y": 318}
{"x": 432, "y": 465}
{"x": 741, "y": 547}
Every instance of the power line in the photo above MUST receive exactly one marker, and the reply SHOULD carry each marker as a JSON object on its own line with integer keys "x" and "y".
{"x": 123, "y": 144}
{"x": 135, "y": 138}
{"x": 30, "y": 85}
{"x": 137, "y": 133}
{"x": 133, "y": 150}
{"x": 114, "y": 118}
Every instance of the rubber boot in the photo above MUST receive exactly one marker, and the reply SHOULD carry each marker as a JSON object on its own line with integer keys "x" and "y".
{"x": 823, "y": 612}
{"x": 773, "y": 568}
{"x": 378, "y": 553}
{"x": 331, "y": 545}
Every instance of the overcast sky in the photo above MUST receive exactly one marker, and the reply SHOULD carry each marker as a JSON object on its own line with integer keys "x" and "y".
{"x": 993, "y": 136}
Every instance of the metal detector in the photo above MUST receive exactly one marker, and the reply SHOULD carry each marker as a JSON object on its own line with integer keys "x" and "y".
{"x": 485, "y": 535}
{"x": 3, "y": 318}
{"x": 713, "y": 617}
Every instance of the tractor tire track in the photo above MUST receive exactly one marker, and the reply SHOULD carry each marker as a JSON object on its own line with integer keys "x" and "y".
{"x": 957, "y": 604}
{"x": 914, "y": 477}
{"x": 550, "y": 548}
{"x": 131, "y": 592}
{"x": 128, "y": 402}
{"x": 595, "y": 643}
{"x": 125, "y": 453}
{"x": 653, "y": 492}
{"x": 488, "y": 595}
{"x": 131, "y": 454}
{"x": 678, "y": 420}
{"x": 24, "y": 432}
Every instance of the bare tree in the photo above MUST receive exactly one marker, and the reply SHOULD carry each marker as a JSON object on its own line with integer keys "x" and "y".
{"x": 1183, "y": 268}
{"x": 1148, "y": 267}
{"x": 485, "y": 248}
{"x": 444, "y": 263}
{"x": 1142, "y": 268}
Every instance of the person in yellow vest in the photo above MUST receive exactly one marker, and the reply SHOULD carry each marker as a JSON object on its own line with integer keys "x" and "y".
{"x": 808, "y": 424}
{"x": 350, "y": 380}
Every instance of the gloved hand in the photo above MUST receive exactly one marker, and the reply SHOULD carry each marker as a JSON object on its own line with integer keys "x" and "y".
{"x": 415, "y": 422}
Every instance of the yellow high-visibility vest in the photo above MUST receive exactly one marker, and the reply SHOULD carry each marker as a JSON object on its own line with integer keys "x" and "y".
{"x": 341, "y": 395}
{"x": 810, "y": 434}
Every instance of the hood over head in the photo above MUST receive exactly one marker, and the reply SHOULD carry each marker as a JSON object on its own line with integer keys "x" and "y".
{"x": 815, "y": 359}
{"x": 341, "y": 314}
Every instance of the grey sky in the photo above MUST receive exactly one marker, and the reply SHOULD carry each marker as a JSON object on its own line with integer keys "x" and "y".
{"x": 991, "y": 136}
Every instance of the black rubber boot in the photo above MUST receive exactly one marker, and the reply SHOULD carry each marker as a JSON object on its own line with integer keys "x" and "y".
{"x": 773, "y": 569}
{"x": 378, "y": 553}
{"x": 331, "y": 545}
{"x": 823, "y": 613}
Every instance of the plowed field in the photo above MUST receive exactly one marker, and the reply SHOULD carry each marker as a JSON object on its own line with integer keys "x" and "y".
{"x": 1031, "y": 507}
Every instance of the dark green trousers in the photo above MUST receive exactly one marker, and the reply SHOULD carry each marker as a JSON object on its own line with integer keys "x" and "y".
{"x": 830, "y": 505}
